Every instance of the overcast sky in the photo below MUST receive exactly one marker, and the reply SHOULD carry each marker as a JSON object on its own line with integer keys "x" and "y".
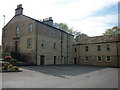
{"x": 91, "y": 17}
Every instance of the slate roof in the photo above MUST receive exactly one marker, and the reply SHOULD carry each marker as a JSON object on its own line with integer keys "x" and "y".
{"x": 40, "y": 23}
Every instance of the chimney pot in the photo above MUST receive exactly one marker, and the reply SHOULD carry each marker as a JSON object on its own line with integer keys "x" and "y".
{"x": 19, "y": 10}
{"x": 48, "y": 21}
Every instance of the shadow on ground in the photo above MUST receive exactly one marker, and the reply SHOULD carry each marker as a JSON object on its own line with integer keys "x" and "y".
{"x": 63, "y": 71}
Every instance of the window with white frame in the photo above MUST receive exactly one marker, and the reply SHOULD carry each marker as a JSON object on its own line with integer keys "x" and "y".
{"x": 108, "y": 58}
{"x": 30, "y": 27}
{"x": 99, "y": 58}
{"x": 17, "y": 31}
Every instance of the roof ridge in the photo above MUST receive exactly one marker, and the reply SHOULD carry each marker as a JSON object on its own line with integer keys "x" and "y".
{"x": 47, "y": 24}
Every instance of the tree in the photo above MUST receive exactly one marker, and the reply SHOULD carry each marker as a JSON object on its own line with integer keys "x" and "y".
{"x": 113, "y": 30}
{"x": 64, "y": 27}
{"x": 79, "y": 35}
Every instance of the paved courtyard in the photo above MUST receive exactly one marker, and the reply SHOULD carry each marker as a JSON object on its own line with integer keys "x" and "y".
{"x": 62, "y": 77}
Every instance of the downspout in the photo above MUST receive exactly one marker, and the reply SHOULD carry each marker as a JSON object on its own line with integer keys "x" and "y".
{"x": 61, "y": 47}
{"x": 117, "y": 54}
{"x": 36, "y": 41}
{"x": 67, "y": 49}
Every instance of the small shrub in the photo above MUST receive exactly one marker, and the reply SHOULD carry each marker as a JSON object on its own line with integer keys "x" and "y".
{"x": 7, "y": 58}
{"x": 16, "y": 68}
{"x": 13, "y": 60}
{"x": 9, "y": 67}
{"x": 5, "y": 65}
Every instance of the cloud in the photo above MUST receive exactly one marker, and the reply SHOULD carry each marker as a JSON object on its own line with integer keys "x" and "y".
{"x": 94, "y": 26}
{"x": 62, "y": 11}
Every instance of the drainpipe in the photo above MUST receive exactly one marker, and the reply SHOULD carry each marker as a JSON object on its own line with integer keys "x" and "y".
{"x": 36, "y": 41}
{"x": 117, "y": 54}
{"x": 61, "y": 47}
{"x": 67, "y": 49}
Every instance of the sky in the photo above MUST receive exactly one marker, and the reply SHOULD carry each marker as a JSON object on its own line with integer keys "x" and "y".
{"x": 91, "y": 17}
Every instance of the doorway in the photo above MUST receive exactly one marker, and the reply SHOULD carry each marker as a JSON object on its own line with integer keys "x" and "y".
{"x": 16, "y": 46}
{"x": 75, "y": 61}
{"x": 54, "y": 60}
{"x": 42, "y": 57}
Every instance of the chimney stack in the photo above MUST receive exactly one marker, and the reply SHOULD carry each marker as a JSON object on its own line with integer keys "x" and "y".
{"x": 19, "y": 10}
{"x": 48, "y": 21}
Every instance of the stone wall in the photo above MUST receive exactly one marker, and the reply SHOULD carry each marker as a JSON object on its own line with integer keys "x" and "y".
{"x": 93, "y": 52}
{"x": 47, "y": 36}
{"x": 97, "y": 39}
{"x": 9, "y": 36}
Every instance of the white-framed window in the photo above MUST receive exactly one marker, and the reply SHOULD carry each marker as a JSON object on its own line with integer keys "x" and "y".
{"x": 99, "y": 58}
{"x": 107, "y": 46}
{"x": 17, "y": 31}
{"x": 108, "y": 58}
{"x": 29, "y": 42}
{"x": 30, "y": 27}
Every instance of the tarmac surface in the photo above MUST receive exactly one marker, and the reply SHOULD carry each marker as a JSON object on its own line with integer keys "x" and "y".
{"x": 61, "y": 77}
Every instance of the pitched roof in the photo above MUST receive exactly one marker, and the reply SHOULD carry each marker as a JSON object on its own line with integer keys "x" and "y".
{"x": 39, "y": 22}
{"x": 47, "y": 25}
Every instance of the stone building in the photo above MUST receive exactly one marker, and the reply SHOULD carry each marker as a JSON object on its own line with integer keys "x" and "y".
{"x": 98, "y": 51}
{"x": 38, "y": 41}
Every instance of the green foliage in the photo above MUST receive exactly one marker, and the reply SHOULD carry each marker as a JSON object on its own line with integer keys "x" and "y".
{"x": 5, "y": 66}
{"x": 5, "y": 54}
{"x": 64, "y": 27}
{"x": 13, "y": 60}
{"x": 79, "y": 35}
{"x": 15, "y": 68}
{"x": 9, "y": 67}
{"x": 111, "y": 31}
